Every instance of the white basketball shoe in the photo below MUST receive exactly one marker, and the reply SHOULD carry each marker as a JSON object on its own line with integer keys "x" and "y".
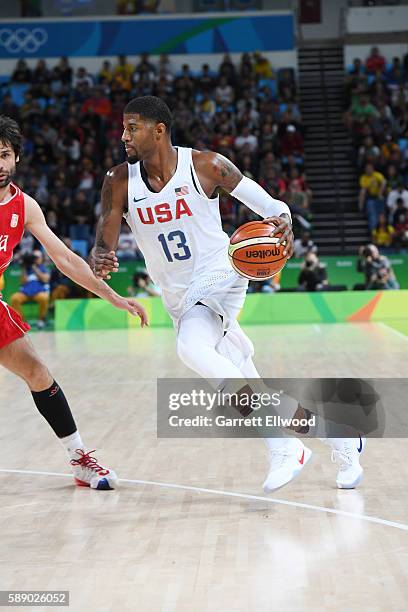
{"x": 346, "y": 453}
{"x": 286, "y": 461}
{"x": 88, "y": 473}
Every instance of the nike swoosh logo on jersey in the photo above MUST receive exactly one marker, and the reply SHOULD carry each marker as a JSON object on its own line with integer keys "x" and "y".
{"x": 301, "y": 460}
{"x": 139, "y": 199}
{"x": 360, "y": 448}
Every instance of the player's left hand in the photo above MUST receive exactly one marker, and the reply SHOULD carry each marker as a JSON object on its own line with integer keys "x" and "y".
{"x": 131, "y": 306}
{"x": 284, "y": 225}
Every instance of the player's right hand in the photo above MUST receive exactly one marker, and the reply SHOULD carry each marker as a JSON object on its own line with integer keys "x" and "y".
{"x": 103, "y": 263}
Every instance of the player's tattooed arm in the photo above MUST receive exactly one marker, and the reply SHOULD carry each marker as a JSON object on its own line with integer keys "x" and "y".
{"x": 214, "y": 170}
{"x": 226, "y": 173}
{"x": 113, "y": 201}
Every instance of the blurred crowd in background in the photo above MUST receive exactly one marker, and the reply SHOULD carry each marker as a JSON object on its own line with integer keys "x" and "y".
{"x": 376, "y": 93}
{"x": 249, "y": 112}
{"x": 72, "y": 123}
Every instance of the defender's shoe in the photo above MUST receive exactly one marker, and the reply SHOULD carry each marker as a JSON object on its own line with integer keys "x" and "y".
{"x": 346, "y": 453}
{"x": 88, "y": 473}
{"x": 286, "y": 461}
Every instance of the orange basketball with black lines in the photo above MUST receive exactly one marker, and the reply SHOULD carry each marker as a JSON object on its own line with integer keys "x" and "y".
{"x": 254, "y": 253}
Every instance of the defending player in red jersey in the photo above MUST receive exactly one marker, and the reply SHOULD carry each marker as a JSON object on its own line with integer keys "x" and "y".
{"x": 18, "y": 211}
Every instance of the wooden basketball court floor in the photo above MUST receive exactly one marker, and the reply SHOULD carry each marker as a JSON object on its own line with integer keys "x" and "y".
{"x": 190, "y": 528}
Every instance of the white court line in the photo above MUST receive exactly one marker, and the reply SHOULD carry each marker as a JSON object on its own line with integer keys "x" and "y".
{"x": 391, "y": 329}
{"x": 270, "y": 500}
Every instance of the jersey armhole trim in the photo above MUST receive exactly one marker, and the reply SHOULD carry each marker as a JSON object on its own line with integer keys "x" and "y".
{"x": 196, "y": 181}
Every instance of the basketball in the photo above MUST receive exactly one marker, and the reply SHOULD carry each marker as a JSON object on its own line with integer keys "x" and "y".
{"x": 255, "y": 254}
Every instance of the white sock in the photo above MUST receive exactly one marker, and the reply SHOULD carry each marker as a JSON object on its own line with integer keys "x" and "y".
{"x": 71, "y": 443}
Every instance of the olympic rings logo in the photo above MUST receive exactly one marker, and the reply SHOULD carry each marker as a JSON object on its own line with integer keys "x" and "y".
{"x": 23, "y": 39}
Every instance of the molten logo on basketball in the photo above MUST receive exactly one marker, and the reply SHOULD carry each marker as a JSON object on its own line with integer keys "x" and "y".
{"x": 256, "y": 254}
{"x": 262, "y": 253}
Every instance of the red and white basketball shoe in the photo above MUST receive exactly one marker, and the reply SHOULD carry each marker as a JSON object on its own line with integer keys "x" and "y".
{"x": 88, "y": 473}
{"x": 286, "y": 461}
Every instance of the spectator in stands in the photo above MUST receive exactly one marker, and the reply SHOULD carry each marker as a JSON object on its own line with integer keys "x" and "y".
{"x": 313, "y": 274}
{"x": 82, "y": 77}
{"x": 246, "y": 139}
{"x": 206, "y": 108}
{"x": 375, "y": 61}
{"x": 304, "y": 245}
{"x": 9, "y": 108}
{"x": 298, "y": 192}
{"x": 98, "y": 103}
{"x": 370, "y": 262}
{"x": 262, "y": 67}
{"x": 123, "y": 70}
{"x": 383, "y": 234}
{"x": 357, "y": 67}
{"x": 81, "y": 217}
{"x": 224, "y": 92}
{"x": 106, "y": 73}
{"x": 228, "y": 212}
{"x": 392, "y": 177}
{"x": 145, "y": 66}
{"x": 143, "y": 286}
{"x": 395, "y": 72}
{"x": 64, "y": 71}
{"x": 26, "y": 246}
{"x": 292, "y": 144}
{"x": 384, "y": 279}
{"x": 34, "y": 286}
{"x": 287, "y": 85}
{"x": 363, "y": 110}
{"x": 273, "y": 183}
{"x": 368, "y": 152}
{"x": 22, "y": 73}
{"x": 62, "y": 287}
{"x": 389, "y": 149}
{"x": 205, "y": 80}
{"x": 41, "y": 78}
{"x": 372, "y": 189}
{"x": 127, "y": 247}
{"x": 400, "y": 224}
{"x": 403, "y": 144}
{"x": 227, "y": 69}
{"x": 399, "y": 193}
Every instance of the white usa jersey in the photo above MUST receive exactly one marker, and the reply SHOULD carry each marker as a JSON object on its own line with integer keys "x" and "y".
{"x": 180, "y": 234}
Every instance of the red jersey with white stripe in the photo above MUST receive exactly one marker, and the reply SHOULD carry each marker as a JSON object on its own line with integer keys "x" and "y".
{"x": 11, "y": 226}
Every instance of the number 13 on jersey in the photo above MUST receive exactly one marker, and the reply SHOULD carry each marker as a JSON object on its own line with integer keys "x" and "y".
{"x": 183, "y": 252}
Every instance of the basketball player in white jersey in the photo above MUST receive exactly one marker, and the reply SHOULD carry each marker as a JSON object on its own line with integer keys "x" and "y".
{"x": 170, "y": 202}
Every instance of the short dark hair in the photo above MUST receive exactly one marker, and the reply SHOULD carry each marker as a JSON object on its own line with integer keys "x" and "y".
{"x": 152, "y": 108}
{"x": 10, "y": 134}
